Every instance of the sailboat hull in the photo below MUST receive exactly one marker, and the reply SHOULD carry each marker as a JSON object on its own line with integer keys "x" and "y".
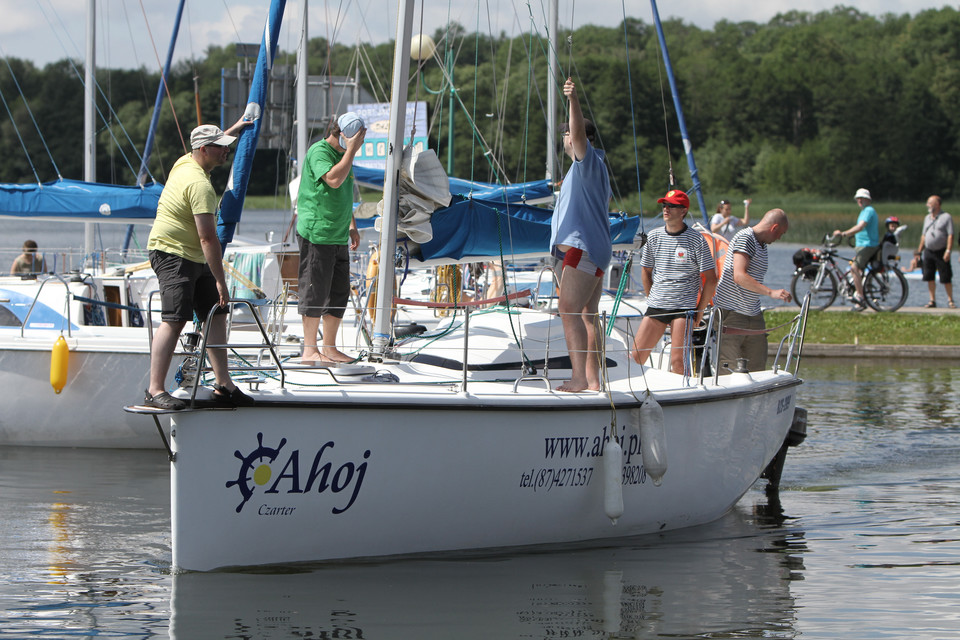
{"x": 359, "y": 476}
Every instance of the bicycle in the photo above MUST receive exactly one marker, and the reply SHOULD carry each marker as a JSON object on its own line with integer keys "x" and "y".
{"x": 884, "y": 285}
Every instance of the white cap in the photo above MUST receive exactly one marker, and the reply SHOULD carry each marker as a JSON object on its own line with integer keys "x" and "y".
{"x": 862, "y": 193}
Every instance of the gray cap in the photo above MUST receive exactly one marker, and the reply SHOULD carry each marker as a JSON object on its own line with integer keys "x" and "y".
{"x": 207, "y": 134}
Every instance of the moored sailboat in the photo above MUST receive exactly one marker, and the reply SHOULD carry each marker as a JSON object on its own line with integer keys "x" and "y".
{"x": 460, "y": 442}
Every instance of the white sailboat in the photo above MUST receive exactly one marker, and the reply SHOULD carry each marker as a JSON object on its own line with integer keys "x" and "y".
{"x": 457, "y": 440}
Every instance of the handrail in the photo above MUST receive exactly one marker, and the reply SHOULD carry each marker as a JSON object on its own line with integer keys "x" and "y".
{"x": 716, "y": 365}
{"x": 36, "y": 298}
{"x": 203, "y": 346}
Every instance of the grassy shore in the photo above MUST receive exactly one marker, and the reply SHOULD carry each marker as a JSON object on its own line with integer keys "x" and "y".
{"x": 837, "y": 327}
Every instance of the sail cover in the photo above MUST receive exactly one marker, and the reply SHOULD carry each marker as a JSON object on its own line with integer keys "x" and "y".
{"x": 480, "y": 228}
{"x": 522, "y": 192}
{"x": 80, "y": 201}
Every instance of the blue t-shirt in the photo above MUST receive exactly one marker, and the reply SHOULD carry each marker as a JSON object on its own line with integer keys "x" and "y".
{"x": 581, "y": 218}
{"x": 869, "y": 236}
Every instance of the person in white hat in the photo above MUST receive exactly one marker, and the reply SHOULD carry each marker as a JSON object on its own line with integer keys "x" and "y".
{"x": 186, "y": 256}
{"x": 326, "y": 231}
{"x": 867, "y": 240}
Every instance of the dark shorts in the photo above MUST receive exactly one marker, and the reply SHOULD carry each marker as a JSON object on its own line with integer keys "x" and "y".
{"x": 666, "y": 316}
{"x": 186, "y": 287}
{"x": 932, "y": 263}
{"x": 324, "y": 279}
{"x": 864, "y": 256}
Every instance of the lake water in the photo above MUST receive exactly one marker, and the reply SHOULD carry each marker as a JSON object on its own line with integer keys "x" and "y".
{"x": 864, "y": 542}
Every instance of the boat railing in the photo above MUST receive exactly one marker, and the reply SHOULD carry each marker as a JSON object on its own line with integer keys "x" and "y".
{"x": 56, "y": 277}
{"x": 791, "y": 345}
{"x": 266, "y": 345}
{"x": 554, "y": 281}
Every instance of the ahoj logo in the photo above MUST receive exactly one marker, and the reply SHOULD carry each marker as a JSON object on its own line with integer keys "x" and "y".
{"x": 257, "y": 470}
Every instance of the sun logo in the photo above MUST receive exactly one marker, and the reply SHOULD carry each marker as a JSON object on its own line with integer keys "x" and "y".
{"x": 261, "y": 473}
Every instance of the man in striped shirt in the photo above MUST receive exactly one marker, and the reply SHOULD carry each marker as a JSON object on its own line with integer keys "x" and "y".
{"x": 674, "y": 260}
{"x": 739, "y": 291}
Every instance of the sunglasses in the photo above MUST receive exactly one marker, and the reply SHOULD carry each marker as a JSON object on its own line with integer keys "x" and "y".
{"x": 669, "y": 205}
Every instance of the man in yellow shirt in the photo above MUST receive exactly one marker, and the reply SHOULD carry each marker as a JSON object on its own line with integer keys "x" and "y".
{"x": 186, "y": 256}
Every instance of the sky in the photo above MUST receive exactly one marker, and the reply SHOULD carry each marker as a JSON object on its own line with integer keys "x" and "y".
{"x": 134, "y": 33}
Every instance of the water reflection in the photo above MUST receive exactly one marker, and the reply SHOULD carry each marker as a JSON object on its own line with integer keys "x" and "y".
{"x": 731, "y": 578}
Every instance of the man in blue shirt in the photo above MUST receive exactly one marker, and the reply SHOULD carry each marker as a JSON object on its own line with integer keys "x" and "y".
{"x": 866, "y": 234}
{"x": 580, "y": 239}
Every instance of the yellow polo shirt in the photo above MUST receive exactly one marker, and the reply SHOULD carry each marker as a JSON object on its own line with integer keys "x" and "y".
{"x": 188, "y": 192}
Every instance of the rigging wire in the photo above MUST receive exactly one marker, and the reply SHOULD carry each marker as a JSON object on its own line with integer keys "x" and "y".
{"x": 108, "y": 128}
{"x": 32, "y": 119}
{"x": 163, "y": 78}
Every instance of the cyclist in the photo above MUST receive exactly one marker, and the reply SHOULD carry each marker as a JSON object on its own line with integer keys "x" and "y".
{"x": 867, "y": 235}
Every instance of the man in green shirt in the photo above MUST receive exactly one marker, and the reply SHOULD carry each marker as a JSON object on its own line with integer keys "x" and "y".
{"x": 325, "y": 230}
{"x": 186, "y": 256}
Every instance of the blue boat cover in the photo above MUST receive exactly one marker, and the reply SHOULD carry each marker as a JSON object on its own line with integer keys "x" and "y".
{"x": 471, "y": 227}
{"x": 79, "y": 200}
{"x": 520, "y": 192}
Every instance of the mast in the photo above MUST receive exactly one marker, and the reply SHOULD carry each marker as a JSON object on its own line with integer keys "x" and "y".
{"x": 552, "y": 92}
{"x": 687, "y": 146}
{"x": 383, "y": 326}
{"x": 302, "y": 124}
{"x": 158, "y": 103}
{"x": 89, "y": 120}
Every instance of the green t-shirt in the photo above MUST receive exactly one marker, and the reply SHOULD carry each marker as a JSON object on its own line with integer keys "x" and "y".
{"x": 324, "y": 213}
{"x": 187, "y": 193}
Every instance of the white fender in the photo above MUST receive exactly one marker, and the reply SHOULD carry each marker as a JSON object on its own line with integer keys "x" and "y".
{"x": 613, "y": 480}
{"x": 653, "y": 439}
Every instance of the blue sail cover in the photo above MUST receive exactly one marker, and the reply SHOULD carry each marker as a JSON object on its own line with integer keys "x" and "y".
{"x": 478, "y": 228}
{"x": 520, "y": 192}
{"x": 231, "y": 205}
{"x": 80, "y": 201}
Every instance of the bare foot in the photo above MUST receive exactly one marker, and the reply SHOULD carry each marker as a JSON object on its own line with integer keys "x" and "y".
{"x": 332, "y": 354}
{"x": 575, "y": 386}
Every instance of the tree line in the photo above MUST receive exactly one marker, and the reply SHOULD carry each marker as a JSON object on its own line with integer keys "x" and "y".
{"x": 808, "y": 103}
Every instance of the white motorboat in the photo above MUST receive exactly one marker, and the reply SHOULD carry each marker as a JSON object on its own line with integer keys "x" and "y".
{"x": 106, "y": 360}
{"x": 457, "y": 439}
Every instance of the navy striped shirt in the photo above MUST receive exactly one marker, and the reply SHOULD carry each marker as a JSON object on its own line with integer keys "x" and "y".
{"x": 732, "y": 296}
{"x": 677, "y": 262}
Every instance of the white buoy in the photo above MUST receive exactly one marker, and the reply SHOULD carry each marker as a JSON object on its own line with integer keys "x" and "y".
{"x": 613, "y": 480}
{"x": 422, "y": 47}
{"x": 653, "y": 439}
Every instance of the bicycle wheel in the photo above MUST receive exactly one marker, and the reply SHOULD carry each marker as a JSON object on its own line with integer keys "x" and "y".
{"x": 885, "y": 290}
{"x": 805, "y": 281}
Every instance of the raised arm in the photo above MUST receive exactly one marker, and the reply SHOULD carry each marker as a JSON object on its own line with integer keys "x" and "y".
{"x": 578, "y": 132}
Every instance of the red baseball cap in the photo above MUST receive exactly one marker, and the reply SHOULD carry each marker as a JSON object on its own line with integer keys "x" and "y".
{"x": 675, "y": 196}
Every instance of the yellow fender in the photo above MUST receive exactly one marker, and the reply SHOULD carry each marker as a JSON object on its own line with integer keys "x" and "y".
{"x": 59, "y": 361}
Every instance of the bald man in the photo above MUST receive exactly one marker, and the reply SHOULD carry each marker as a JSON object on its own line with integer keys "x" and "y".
{"x": 739, "y": 291}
